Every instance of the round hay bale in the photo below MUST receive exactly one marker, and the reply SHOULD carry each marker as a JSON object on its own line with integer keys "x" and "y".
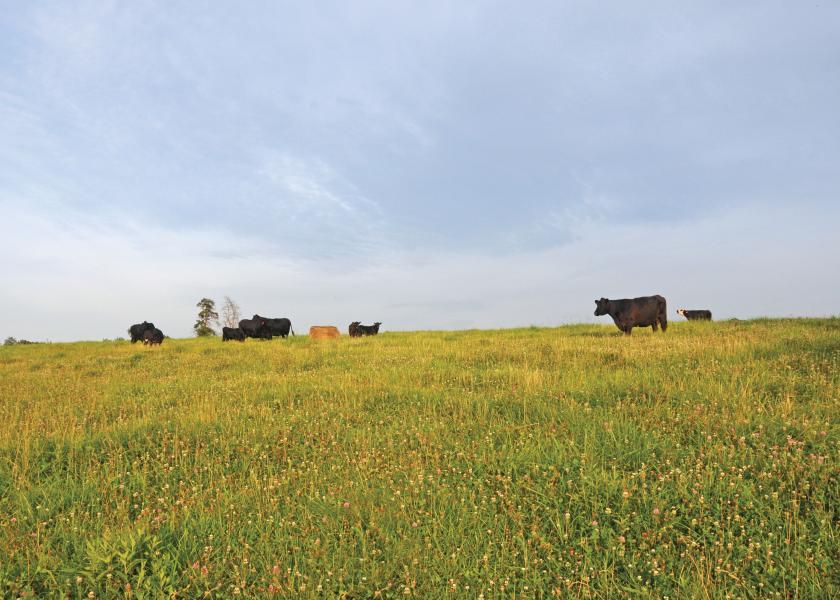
{"x": 323, "y": 332}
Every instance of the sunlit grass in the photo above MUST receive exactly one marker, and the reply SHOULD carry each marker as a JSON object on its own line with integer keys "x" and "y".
{"x": 569, "y": 462}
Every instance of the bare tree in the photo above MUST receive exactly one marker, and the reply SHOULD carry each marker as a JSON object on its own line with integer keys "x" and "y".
{"x": 230, "y": 313}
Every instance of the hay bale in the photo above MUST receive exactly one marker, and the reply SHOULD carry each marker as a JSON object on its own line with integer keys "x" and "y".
{"x": 323, "y": 332}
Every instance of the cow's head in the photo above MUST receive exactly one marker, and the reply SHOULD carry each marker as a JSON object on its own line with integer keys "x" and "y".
{"x": 681, "y": 311}
{"x": 602, "y": 307}
{"x": 377, "y": 324}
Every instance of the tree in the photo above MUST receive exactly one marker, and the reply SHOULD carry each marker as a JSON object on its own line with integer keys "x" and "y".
{"x": 230, "y": 313}
{"x": 206, "y": 315}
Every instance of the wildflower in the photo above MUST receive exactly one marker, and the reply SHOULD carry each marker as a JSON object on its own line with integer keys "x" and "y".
{"x": 346, "y": 505}
{"x": 276, "y": 569}
{"x": 656, "y": 511}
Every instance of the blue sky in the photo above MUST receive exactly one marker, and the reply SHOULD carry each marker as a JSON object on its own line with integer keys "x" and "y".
{"x": 434, "y": 165}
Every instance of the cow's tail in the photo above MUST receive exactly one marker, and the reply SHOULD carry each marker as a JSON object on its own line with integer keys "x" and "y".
{"x": 292, "y": 329}
{"x": 663, "y": 314}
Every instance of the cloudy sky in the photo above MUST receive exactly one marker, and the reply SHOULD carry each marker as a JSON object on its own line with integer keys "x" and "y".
{"x": 428, "y": 165}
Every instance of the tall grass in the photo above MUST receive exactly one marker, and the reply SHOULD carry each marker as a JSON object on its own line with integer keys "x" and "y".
{"x": 568, "y": 462}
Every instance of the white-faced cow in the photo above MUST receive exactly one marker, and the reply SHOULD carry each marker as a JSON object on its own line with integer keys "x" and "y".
{"x": 695, "y": 315}
{"x": 153, "y": 336}
{"x": 647, "y": 311}
{"x": 136, "y": 331}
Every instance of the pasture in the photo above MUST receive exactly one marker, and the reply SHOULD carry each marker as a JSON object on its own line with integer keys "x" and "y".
{"x": 570, "y": 462}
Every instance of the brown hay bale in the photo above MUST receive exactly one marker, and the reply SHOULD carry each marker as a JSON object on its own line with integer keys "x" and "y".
{"x": 323, "y": 332}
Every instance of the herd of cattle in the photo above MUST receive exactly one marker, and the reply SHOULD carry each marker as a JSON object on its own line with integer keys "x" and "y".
{"x": 646, "y": 311}
{"x": 257, "y": 327}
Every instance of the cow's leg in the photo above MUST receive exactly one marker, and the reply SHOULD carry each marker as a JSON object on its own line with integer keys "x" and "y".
{"x": 663, "y": 321}
{"x": 654, "y": 325}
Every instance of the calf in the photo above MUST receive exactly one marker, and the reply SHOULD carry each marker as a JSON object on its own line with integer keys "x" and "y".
{"x": 353, "y": 330}
{"x": 647, "y": 311}
{"x": 233, "y": 333}
{"x": 695, "y": 315}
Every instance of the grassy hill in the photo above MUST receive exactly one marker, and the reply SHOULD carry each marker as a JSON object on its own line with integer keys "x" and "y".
{"x": 568, "y": 462}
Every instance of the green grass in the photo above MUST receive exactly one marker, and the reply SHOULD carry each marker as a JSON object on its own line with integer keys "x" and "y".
{"x": 568, "y": 462}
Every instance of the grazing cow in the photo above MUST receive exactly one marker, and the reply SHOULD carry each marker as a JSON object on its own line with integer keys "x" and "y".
{"x": 233, "y": 333}
{"x": 353, "y": 330}
{"x": 280, "y": 327}
{"x": 255, "y": 328}
{"x": 323, "y": 332}
{"x": 695, "y": 315}
{"x": 647, "y": 311}
{"x": 136, "y": 331}
{"x": 368, "y": 329}
{"x": 153, "y": 336}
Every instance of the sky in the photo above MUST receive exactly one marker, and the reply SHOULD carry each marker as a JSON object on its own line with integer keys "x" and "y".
{"x": 436, "y": 165}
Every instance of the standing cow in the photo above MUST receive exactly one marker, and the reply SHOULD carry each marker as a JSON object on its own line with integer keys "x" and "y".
{"x": 695, "y": 315}
{"x": 280, "y": 327}
{"x": 353, "y": 330}
{"x": 255, "y": 328}
{"x": 647, "y": 311}
{"x": 136, "y": 331}
{"x": 368, "y": 329}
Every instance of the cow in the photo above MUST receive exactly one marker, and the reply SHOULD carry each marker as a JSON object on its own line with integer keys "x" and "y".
{"x": 136, "y": 331}
{"x": 255, "y": 328}
{"x": 320, "y": 332}
{"x": 368, "y": 329}
{"x": 233, "y": 333}
{"x": 279, "y": 327}
{"x": 353, "y": 330}
{"x": 695, "y": 315}
{"x": 153, "y": 336}
{"x": 647, "y": 311}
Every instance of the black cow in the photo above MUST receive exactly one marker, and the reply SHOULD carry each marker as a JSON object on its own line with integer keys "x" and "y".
{"x": 353, "y": 329}
{"x": 255, "y": 328}
{"x": 153, "y": 336}
{"x": 136, "y": 331}
{"x": 280, "y": 327}
{"x": 647, "y": 311}
{"x": 368, "y": 329}
{"x": 695, "y": 315}
{"x": 233, "y": 333}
